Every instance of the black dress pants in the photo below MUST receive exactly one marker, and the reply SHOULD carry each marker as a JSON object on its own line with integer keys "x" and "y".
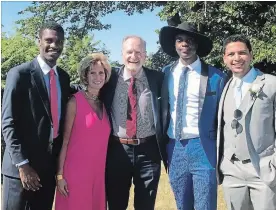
{"x": 15, "y": 197}
{"x": 140, "y": 163}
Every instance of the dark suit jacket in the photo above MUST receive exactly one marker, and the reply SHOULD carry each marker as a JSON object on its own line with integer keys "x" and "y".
{"x": 155, "y": 80}
{"x": 26, "y": 118}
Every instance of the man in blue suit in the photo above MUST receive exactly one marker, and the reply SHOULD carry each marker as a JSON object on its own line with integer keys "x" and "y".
{"x": 190, "y": 96}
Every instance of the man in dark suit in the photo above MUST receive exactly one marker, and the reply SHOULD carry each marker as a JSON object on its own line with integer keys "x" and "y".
{"x": 32, "y": 120}
{"x": 132, "y": 99}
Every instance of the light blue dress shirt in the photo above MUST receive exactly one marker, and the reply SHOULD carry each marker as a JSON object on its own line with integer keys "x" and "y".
{"x": 246, "y": 82}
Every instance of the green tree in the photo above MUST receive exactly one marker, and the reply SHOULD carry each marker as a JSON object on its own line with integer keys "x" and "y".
{"x": 19, "y": 48}
{"x": 76, "y": 49}
{"x": 78, "y": 17}
{"x": 158, "y": 60}
{"x": 217, "y": 20}
{"x": 256, "y": 20}
{"x": 115, "y": 64}
{"x": 16, "y": 50}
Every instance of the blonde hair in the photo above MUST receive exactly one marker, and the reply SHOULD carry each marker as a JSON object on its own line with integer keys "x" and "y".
{"x": 90, "y": 60}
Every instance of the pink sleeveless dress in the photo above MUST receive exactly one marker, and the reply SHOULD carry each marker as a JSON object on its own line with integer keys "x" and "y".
{"x": 84, "y": 167}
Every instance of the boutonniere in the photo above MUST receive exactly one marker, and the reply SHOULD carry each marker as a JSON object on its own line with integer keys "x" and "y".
{"x": 255, "y": 91}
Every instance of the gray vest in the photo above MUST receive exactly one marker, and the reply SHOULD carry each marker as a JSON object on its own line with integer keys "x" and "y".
{"x": 233, "y": 143}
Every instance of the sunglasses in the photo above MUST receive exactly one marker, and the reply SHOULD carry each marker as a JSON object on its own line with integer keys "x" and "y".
{"x": 235, "y": 123}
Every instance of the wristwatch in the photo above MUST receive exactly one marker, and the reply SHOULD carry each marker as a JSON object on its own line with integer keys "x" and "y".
{"x": 59, "y": 177}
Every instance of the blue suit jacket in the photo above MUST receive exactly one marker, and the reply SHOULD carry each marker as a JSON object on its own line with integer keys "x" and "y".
{"x": 212, "y": 82}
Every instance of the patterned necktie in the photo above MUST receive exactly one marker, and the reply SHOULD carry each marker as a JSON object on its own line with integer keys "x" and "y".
{"x": 131, "y": 121}
{"x": 54, "y": 102}
{"x": 238, "y": 92}
{"x": 180, "y": 103}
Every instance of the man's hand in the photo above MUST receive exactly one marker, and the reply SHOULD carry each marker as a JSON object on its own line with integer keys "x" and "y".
{"x": 29, "y": 178}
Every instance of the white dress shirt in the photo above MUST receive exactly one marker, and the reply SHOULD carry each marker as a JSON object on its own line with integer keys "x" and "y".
{"x": 191, "y": 100}
{"x": 246, "y": 80}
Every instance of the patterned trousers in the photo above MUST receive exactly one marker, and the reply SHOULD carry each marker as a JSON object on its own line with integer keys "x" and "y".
{"x": 192, "y": 178}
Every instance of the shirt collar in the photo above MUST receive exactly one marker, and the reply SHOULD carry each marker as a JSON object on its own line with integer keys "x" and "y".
{"x": 44, "y": 66}
{"x": 127, "y": 75}
{"x": 249, "y": 77}
{"x": 196, "y": 65}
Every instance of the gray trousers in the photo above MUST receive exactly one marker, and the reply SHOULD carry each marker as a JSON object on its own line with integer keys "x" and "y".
{"x": 243, "y": 189}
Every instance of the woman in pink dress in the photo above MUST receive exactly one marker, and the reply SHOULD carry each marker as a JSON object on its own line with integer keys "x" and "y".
{"x": 81, "y": 172}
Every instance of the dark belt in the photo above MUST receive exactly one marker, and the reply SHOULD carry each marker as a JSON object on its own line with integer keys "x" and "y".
{"x": 234, "y": 158}
{"x": 134, "y": 141}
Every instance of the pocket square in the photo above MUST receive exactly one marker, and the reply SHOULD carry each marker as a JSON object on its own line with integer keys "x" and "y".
{"x": 211, "y": 93}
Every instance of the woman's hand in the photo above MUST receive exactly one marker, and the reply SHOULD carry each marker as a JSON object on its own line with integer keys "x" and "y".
{"x": 62, "y": 187}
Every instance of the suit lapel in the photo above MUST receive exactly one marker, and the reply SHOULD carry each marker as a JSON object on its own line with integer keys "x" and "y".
{"x": 153, "y": 89}
{"x": 221, "y": 102}
{"x": 248, "y": 101}
{"x": 109, "y": 88}
{"x": 39, "y": 83}
{"x": 63, "y": 88}
{"x": 203, "y": 87}
{"x": 165, "y": 99}
{"x": 114, "y": 82}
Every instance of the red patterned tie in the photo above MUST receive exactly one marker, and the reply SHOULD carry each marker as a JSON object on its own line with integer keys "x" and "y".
{"x": 54, "y": 101}
{"x": 131, "y": 110}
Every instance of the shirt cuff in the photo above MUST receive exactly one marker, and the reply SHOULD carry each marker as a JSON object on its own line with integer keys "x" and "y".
{"x": 22, "y": 163}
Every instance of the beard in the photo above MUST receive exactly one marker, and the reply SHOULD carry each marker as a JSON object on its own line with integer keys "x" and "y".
{"x": 133, "y": 68}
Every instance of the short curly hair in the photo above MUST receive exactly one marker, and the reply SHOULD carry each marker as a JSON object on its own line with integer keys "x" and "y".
{"x": 52, "y": 26}
{"x": 91, "y": 59}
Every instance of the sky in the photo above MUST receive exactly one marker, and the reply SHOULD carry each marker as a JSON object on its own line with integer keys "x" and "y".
{"x": 143, "y": 25}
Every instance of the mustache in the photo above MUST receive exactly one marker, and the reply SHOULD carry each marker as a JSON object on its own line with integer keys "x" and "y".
{"x": 54, "y": 49}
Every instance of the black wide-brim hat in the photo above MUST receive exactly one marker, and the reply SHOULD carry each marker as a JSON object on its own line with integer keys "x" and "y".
{"x": 167, "y": 39}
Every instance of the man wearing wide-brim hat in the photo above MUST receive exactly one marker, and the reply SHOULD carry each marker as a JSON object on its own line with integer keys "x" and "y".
{"x": 190, "y": 97}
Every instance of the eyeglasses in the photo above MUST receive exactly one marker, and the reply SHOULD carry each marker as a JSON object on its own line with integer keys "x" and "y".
{"x": 235, "y": 123}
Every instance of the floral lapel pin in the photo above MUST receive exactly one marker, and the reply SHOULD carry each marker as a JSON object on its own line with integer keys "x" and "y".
{"x": 255, "y": 90}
